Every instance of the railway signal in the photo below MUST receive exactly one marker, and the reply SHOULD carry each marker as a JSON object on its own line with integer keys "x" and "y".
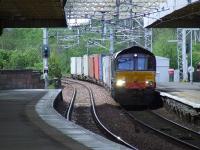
{"x": 45, "y": 51}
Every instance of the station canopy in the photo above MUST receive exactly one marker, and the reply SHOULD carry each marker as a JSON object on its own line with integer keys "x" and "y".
{"x": 32, "y": 13}
{"x": 179, "y": 14}
{"x": 55, "y": 13}
{"x": 108, "y": 9}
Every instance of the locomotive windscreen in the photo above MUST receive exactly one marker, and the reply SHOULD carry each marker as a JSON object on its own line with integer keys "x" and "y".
{"x": 135, "y": 62}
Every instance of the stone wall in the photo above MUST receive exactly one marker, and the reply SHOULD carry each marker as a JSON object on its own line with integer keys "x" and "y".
{"x": 20, "y": 79}
{"x": 183, "y": 111}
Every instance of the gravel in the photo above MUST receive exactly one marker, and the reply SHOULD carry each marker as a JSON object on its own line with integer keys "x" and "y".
{"x": 81, "y": 114}
{"x": 113, "y": 117}
{"x": 169, "y": 114}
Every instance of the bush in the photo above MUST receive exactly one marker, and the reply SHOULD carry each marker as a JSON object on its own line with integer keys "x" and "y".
{"x": 54, "y": 66}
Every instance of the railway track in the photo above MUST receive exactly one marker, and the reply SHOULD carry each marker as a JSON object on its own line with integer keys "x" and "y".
{"x": 69, "y": 110}
{"x": 166, "y": 128}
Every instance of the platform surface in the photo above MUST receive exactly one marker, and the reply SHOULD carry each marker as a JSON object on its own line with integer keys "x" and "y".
{"x": 17, "y": 132}
{"x": 28, "y": 121}
{"x": 186, "y": 93}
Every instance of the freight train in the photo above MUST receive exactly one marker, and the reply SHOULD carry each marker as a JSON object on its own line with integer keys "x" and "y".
{"x": 129, "y": 74}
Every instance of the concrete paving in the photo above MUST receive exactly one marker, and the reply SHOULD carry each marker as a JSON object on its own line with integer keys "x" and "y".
{"x": 45, "y": 110}
{"x": 186, "y": 93}
{"x": 17, "y": 131}
{"x": 29, "y": 122}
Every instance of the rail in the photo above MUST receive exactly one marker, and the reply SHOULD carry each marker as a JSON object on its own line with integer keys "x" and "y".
{"x": 166, "y": 128}
{"x": 96, "y": 118}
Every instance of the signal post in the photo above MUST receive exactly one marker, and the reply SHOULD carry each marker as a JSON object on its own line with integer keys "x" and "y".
{"x": 45, "y": 54}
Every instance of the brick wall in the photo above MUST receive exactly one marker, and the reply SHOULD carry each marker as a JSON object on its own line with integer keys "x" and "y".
{"x": 20, "y": 79}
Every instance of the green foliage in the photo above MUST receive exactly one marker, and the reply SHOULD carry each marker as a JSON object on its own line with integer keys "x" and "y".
{"x": 22, "y": 39}
{"x": 37, "y": 66}
{"x": 24, "y": 59}
{"x": 196, "y": 54}
{"x": 17, "y": 60}
{"x": 4, "y": 58}
{"x": 54, "y": 66}
{"x": 21, "y": 48}
{"x": 162, "y": 46}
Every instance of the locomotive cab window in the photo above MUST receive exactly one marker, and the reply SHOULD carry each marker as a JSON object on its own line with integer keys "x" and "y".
{"x": 145, "y": 62}
{"x": 125, "y": 63}
{"x": 137, "y": 62}
{"x": 151, "y": 63}
{"x": 141, "y": 63}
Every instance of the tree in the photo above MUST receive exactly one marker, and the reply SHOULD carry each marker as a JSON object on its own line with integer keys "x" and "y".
{"x": 54, "y": 66}
{"x": 4, "y": 58}
{"x": 24, "y": 59}
{"x": 161, "y": 46}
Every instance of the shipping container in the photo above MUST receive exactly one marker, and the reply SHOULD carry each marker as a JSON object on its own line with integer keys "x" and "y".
{"x": 85, "y": 65}
{"x": 162, "y": 66}
{"x": 107, "y": 70}
{"x": 79, "y": 66}
{"x": 101, "y": 67}
{"x": 91, "y": 66}
{"x": 96, "y": 66}
{"x": 73, "y": 65}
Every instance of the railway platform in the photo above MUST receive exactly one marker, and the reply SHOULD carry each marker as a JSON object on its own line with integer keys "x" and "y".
{"x": 184, "y": 98}
{"x": 29, "y": 121}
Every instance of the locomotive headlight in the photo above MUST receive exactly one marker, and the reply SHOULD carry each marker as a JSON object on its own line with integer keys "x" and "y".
{"x": 120, "y": 83}
{"x": 149, "y": 83}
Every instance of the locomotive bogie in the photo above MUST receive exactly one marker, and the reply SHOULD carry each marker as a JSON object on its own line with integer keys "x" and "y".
{"x": 133, "y": 97}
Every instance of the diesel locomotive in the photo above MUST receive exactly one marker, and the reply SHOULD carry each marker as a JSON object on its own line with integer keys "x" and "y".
{"x": 133, "y": 76}
{"x": 129, "y": 74}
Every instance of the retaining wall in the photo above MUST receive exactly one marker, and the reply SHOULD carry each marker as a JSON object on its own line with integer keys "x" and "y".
{"x": 20, "y": 79}
{"x": 183, "y": 111}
